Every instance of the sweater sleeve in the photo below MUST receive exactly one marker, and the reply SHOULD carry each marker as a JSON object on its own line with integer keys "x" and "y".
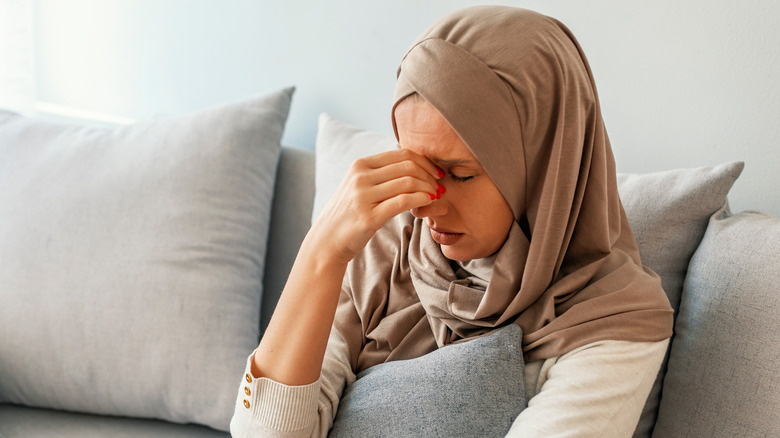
{"x": 266, "y": 408}
{"x": 595, "y": 390}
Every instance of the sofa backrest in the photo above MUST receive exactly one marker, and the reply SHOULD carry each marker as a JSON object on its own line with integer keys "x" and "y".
{"x": 290, "y": 220}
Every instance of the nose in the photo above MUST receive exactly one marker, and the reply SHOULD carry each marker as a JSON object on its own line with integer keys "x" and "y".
{"x": 437, "y": 208}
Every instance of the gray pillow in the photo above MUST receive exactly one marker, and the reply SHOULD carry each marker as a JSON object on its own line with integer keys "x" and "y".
{"x": 131, "y": 260}
{"x": 474, "y": 388}
{"x": 724, "y": 368}
{"x": 668, "y": 211}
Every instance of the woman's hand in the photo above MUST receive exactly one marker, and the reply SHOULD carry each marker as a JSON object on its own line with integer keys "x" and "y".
{"x": 374, "y": 190}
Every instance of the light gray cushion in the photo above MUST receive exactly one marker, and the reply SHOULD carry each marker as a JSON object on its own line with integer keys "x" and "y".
{"x": 724, "y": 368}
{"x": 470, "y": 389}
{"x": 668, "y": 211}
{"x": 131, "y": 260}
{"x": 25, "y": 422}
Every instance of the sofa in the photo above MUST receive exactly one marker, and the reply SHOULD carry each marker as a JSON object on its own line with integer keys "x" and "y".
{"x": 139, "y": 266}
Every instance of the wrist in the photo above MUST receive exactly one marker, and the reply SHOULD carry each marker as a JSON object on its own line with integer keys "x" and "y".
{"x": 324, "y": 242}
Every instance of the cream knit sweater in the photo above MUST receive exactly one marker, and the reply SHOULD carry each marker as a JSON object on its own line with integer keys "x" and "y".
{"x": 597, "y": 390}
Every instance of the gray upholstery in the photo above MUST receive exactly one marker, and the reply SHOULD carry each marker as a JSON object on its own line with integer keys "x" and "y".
{"x": 21, "y": 421}
{"x": 714, "y": 385}
{"x": 290, "y": 220}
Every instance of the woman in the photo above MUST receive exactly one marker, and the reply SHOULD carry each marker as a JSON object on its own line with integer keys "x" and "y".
{"x": 503, "y": 188}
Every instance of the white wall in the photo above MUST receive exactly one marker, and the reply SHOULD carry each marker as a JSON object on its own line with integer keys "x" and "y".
{"x": 17, "y": 74}
{"x": 682, "y": 84}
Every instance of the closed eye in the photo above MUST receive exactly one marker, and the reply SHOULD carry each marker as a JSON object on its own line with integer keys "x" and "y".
{"x": 460, "y": 178}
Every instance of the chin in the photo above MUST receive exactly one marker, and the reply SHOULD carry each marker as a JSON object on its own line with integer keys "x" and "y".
{"x": 457, "y": 254}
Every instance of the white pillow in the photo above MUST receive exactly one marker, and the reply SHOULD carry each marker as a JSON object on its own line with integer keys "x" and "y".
{"x": 131, "y": 260}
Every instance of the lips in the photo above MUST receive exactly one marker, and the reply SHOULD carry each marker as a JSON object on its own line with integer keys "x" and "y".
{"x": 443, "y": 237}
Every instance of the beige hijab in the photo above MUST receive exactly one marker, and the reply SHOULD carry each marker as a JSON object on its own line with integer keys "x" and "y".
{"x": 516, "y": 87}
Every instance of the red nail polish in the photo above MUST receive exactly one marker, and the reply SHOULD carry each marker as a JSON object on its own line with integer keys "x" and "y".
{"x": 432, "y": 196}
{"x": 440, "y": 172}
{"x": 440, "y": 189}
{"x": 438, "y": 195}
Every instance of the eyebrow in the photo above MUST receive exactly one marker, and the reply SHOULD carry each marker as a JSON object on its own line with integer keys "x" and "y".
{"x": 452, "y": 162}
{"x": 444, "y": 162}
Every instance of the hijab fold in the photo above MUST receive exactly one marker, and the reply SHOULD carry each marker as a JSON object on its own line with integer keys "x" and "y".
{"x": 518, "y": 90}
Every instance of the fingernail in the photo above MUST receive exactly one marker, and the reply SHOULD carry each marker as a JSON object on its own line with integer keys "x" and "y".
{"x": 438, "y": 195}
{"x": 432, "y": 196}
{"x": 440, "y": 172}
{"x": 440, "y": 189}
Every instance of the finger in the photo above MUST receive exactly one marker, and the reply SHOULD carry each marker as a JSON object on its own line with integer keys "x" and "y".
{"x": 398, "y": 204}
{"x": 400, "y": 186}
{"x": 399, "y": 155}
{"x": 402, "y": 170}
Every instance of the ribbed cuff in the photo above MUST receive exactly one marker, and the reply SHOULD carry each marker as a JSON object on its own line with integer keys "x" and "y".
{"x": 280, "y": 407}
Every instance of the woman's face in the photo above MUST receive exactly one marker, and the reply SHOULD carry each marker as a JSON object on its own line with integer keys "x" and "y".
{"x": 472, "y": 219}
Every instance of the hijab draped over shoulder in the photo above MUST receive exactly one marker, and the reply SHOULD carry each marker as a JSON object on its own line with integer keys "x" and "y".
{"x": 518, "y": 90}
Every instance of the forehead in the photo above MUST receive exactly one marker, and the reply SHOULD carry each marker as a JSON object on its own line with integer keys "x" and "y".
{"x": 422, "y": 129}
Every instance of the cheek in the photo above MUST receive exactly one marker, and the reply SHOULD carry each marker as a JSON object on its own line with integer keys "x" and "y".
{"x": 481, "y": 207}
{"x": 493, "y": 215}
{"x": 460, "y": 202}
